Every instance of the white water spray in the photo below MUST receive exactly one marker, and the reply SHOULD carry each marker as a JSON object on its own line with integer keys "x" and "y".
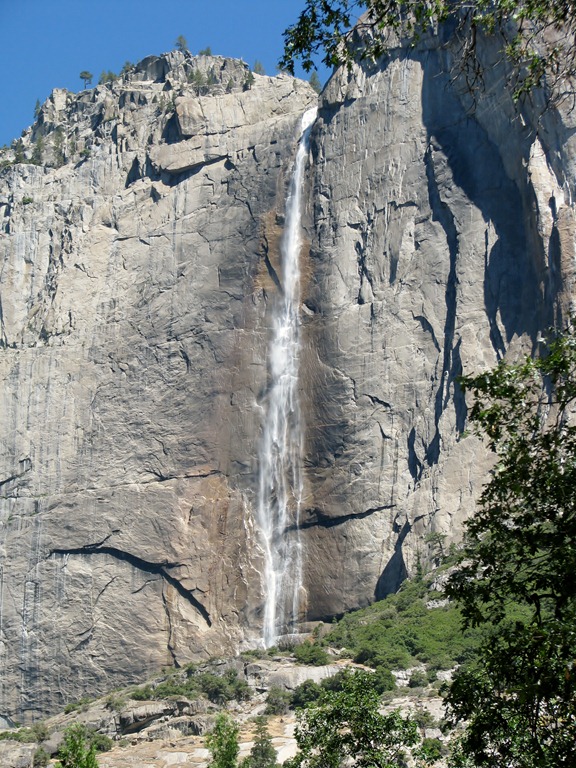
{"x": 280, "y": 478}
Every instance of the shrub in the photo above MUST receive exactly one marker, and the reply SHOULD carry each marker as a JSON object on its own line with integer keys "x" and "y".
{"x": 307, "y": 653}
{"x": 222, "y": 742}
{"x": 418, "y": 679}
{"x": 306, "y": 693}
{"x": 277, "y": 701}
{"x": 432, "y": 749}
{"x": 384, "y": 680}
{"x": 41, "y": 758}
{"x": 73, "y": 706}
{"x": 75, "y": 752}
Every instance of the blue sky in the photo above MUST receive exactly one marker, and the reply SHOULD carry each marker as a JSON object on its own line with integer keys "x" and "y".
{"x": 45, "y": 44}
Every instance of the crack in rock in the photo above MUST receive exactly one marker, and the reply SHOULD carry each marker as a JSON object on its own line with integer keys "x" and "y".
{"x": 160, "y": 569}
{"x": 319, "y": 518}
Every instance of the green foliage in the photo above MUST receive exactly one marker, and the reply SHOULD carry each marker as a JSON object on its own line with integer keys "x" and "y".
{"x": 75, "y": 752}
{"x": 220, "y": 689}
{"x": 400, "y": 632}
{"x": 347, "y": 725}
{"x": 73, "y": 706}
{"x": 278, "y": 701}
{"x": 310, "y": 653}
{"x": 22, "y": 735}
{"x": 432, "y": 749}
{"x": 58, "y": 143}
{"x": 258, "y": 68}
{"x": 418, "y": 679}
{"x": 87, "y": 77}
{"x": 222, "y": 742}
{"x": 115, "y": 701}
{"x": 306, "y": 693}
{"x": 198, "y": 81}
{"x": 18, "y": 147}
{"x": 248, "y": 81}
{"x": 314, "y": 81}
{"x": 128, "y": 67}
{"x": 262, "y": 753}
{"x": 519, "y": 697}
{"x": 37, "y": 108}
{"x": 107, "y": 76}
{"x": 100, "y": 741}
{"x": 181, "y": 44}
{"x": 38, "y": 152}
{"x": 40, "y": 731}
{"x": 330, "y": 29}
{"x": 205, "y": 51}
{"x": 41, "y": 758}
{"x": 27, "y": 200}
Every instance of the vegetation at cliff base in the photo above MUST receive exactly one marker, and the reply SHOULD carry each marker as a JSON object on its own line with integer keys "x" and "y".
{"x": 191, "y": 683}
{"x": 414, "y": 627}
{"x": 347, "y": 725}
{"x": 222, "y": 742}
{"x": 76, "y": 752}
{"x": 518, "y": 697}
{"x": 336, "y": 31}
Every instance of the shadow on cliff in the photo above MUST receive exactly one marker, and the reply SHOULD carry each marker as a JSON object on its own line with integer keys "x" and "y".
{"x": 395, "y": 571}
{"x": 513, "y": 299}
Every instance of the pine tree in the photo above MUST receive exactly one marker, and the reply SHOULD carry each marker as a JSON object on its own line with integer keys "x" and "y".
{"x": 222, "y": 742}
{"x": 181, "y": 44}
{"x": 262, "y": 754}
{"x": 314, "y": 81}
{"x": 38, "y": 153}
{"x": 87, "y": 77}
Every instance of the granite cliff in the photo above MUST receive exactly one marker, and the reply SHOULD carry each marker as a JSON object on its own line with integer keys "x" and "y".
{"x": 138, "y": 263}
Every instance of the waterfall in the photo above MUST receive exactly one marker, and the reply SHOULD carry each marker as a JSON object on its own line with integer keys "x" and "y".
{"x": 280, "y": 477}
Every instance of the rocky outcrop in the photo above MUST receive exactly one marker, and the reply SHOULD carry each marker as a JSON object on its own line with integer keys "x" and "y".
{"x": 442, "y": 239}
{"x": 139, "y": 257}
{"x": 135, "y": 264}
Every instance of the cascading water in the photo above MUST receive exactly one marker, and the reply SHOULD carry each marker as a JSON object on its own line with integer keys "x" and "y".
{"x": 280, "y": 478}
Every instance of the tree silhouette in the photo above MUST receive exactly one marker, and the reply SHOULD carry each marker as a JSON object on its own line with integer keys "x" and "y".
{"x": 87, "y": 77}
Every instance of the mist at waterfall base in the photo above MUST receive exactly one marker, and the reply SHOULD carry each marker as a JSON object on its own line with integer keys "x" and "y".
{"x": 280, "y": 476}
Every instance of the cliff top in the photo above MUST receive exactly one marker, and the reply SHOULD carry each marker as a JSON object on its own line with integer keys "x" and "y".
{"x": 69, "y": 125}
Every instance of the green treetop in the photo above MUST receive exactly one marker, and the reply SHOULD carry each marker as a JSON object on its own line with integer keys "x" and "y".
{"x": 87, "y": 77}
{"x": 337, "y": 32}
{"x": 347, "y": 725}
{"x": 516, "y": 573}
{"x": 222, "y": 742}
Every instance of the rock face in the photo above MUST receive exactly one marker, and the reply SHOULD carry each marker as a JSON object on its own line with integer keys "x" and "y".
{"x": 138, "y": 263}
{"x": 133, "y": 295}
{"x": 442, "y": 239}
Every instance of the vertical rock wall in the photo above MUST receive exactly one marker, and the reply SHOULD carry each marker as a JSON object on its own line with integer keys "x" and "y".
{"x": 138, "y": 263}
{"x": 442, "y": 239}
{"x": 135, "y": 264}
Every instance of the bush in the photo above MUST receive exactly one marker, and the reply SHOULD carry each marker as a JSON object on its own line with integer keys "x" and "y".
{"x": 306, "y": 693}
{"x": 220, "y": 689}
{"x": 418, "y": 679}
{"x": 432, "y": 749}
{"x": 41, "y": 758}
{"x": 384, "y": 680}
{"x": 400, "y": 631}
{"x": 278, "y": 701}
{"x": 222, "y": 742}
{"x": 307, "y": 653}
{"x": 75, "y": 752}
